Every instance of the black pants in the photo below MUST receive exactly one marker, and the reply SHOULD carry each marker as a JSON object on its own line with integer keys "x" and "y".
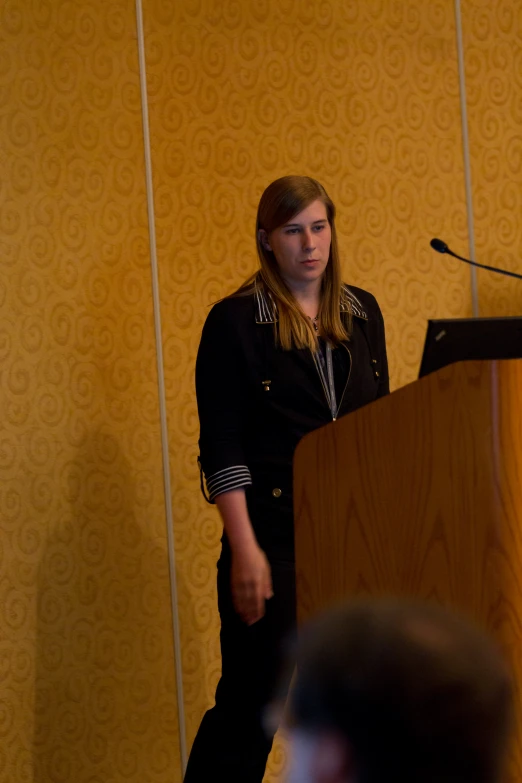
{"x": 233, "y": 743}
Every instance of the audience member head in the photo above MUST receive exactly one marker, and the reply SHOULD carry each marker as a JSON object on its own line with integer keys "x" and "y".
{"x": 397, "y": 692}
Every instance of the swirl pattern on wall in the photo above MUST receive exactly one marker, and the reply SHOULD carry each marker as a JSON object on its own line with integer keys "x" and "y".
{"x": 493, "y": 45}
{"x": 363, "y": 96}
{"x": 86, "y": 653}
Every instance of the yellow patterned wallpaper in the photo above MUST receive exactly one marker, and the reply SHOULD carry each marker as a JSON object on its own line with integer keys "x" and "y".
{"x": 362, "y": 95}
{"x": 86, "y": 654}
{"x": 493, "y": 46}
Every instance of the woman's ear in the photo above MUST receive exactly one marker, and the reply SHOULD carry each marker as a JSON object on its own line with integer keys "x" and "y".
{"x": 320, "y": 757}
{"x": 332, "y": 761}
{"x": 263, "y": 239}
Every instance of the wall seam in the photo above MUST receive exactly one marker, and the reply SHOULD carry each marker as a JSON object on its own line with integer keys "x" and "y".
{"x": 161, "y": 384}
{"x": 466, "y": 156}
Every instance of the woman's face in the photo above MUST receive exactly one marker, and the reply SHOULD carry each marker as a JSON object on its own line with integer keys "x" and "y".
{"x": 302, "y": 246}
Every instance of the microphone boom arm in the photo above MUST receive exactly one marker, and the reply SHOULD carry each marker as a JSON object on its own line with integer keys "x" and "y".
{"x": 484, "y": 266}
{"x": 441, "y": 247}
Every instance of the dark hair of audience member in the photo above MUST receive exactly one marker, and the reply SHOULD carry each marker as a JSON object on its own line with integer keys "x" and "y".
{"x": 419, "y": 693}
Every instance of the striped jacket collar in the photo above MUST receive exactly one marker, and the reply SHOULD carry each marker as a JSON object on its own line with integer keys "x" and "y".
{"x": 266, "y": 307}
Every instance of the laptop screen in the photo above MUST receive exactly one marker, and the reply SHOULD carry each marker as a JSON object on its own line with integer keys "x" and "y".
{"x": 456, "y": 339}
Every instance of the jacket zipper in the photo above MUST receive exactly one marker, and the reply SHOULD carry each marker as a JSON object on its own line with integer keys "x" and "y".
{"x": 329, "y": 395}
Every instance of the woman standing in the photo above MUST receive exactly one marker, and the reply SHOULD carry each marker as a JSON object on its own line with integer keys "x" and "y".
{"x": 293, "y": 349}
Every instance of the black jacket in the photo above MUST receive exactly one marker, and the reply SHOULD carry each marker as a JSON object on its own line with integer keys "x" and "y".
{"x": 256, "y": 401}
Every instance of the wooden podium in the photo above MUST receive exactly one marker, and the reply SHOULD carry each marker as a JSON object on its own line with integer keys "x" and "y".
{"x": 420, "y": 494}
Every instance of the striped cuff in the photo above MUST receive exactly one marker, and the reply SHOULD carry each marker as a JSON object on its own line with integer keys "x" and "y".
{"x": 227, "y": 479}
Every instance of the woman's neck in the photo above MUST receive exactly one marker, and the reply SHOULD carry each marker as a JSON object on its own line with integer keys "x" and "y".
{"x": 308, "y": 298}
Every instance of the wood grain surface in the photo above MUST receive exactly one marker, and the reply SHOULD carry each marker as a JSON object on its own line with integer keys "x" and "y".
{"x": 420, "y": 494}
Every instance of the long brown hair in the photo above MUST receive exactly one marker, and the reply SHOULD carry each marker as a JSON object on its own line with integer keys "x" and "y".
{"x": 282, "y": 200}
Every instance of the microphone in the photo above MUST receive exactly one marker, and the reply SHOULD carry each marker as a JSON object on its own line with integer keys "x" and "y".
{"x": 441, "y": 247}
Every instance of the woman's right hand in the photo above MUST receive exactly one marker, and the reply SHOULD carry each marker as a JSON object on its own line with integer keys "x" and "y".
{"x": 251, "y": 582}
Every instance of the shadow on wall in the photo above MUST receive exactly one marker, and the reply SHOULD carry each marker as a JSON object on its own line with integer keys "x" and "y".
{"x": 105, "y": 697}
